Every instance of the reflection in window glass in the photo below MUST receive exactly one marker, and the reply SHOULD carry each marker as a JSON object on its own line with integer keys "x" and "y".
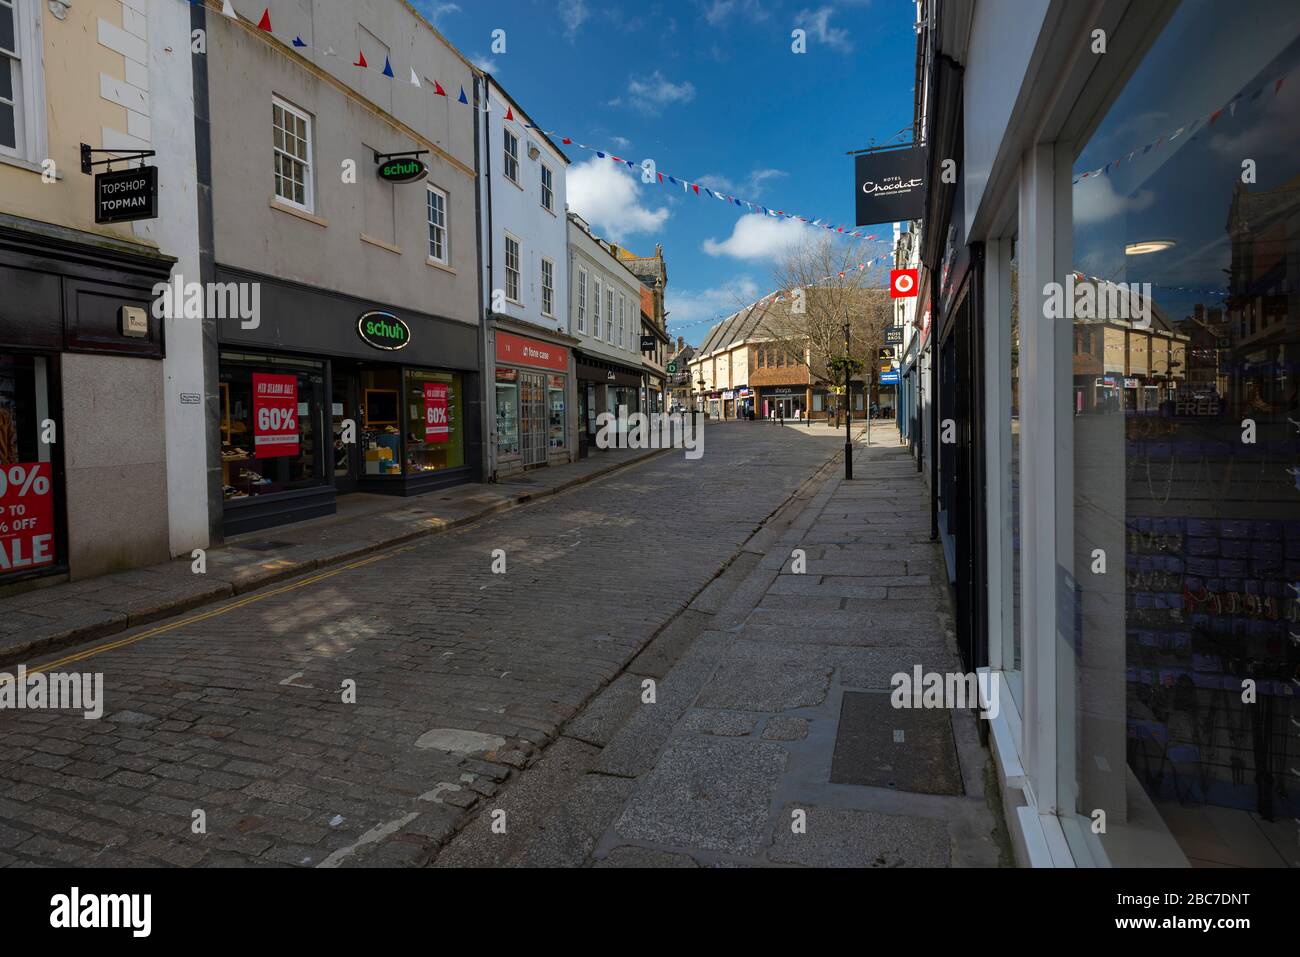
{"x": 1185, "y": 398}
{"x": 245, "y": 473}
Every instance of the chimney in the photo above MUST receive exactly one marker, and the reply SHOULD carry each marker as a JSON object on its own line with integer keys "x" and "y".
{"x": 681, "y": 343}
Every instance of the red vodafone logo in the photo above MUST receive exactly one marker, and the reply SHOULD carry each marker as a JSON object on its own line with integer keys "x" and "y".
{"x": 902, "y": 283}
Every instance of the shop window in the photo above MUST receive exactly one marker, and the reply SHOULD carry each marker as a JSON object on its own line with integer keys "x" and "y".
{"x": 291, "y": 130}
{"x": 819, "y": 402}
{"x": 381, "y": 421}
{"x": 1198, "y": 521}
{"x": 558, "y": 434}
{"x": 507, "y": 396}
{"x": 29, "y": 533}
{"x": 271, "y": 425}
{"x": 435, "y": 415}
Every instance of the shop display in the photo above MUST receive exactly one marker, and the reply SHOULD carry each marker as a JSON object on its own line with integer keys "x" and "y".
{"x": 507, "y": 404}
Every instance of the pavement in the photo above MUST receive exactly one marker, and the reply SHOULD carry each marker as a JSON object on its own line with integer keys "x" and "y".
{"x": 756, "y": 730}
{"x": 367, "y": 711}
{"x": 66, "y": 614}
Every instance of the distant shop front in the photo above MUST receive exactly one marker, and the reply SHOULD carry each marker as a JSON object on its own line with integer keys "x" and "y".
{"x": 532, "y": 397}
{"x": 603, "y": 386}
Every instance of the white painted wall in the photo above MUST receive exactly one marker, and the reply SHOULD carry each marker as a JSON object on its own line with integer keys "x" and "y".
{"x": 586, "y": 253}
{"x": 1002, "y": 39}
{"x": 518, "y": 210}
{"x": 163, "y": 119}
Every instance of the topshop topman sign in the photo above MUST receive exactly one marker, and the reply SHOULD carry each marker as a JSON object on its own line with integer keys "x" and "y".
{"x": 126, "y": 195}
{"x": 890, "y": 186}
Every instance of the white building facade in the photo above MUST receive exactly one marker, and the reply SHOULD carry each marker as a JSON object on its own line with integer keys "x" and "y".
{"x": 531, "y": 392}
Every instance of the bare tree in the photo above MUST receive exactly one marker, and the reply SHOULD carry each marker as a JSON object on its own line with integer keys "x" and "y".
{"x": 822, "y": 289}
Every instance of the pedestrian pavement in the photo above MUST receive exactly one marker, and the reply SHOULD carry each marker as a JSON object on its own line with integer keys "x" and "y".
{"x": 769, "y": 739}
{"x": 65, "y": 614}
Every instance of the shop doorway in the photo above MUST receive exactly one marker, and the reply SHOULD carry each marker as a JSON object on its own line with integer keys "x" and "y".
{"x": 533, "y": 418}
{"x": 783, "y": 407}
{"x": 344, "y": 407}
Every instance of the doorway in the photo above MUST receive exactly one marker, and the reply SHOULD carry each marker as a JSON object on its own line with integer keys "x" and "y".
{"x": 344, "y": 408}
{"x": 533, "y": 418}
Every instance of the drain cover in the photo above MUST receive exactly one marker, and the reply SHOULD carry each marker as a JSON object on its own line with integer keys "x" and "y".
{"x": 870, "y": 751}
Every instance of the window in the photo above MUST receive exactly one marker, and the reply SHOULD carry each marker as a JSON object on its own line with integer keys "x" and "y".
{"x": 11, "y": 71}
{"x": 512, "y": 157}
{"x": 595, "y": 312}
{"x": 437, "y": 225}
{"x": 27, "y": 470}
{"x": 548, "y": 188}
{"x": 609, "y": 313}
{"x": 507, "y": 396}
{"x": 548, "y": 288}
{"x": 582, "y": 300}
{"x": 292, "y": 136}
{"x": 557, "y": 432}
{"x": 435, "y": 411}
{"x": 622, "y": 321}
{"x": 22, "y": 108}
{"x": 512, "y": 269}
{"x": 252, "y": 464}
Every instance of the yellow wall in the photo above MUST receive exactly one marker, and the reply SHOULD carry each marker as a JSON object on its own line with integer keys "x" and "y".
{"x": 75, "y": 114}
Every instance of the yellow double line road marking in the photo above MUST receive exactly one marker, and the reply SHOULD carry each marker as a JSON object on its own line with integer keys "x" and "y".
{"x": 204, "y": 616}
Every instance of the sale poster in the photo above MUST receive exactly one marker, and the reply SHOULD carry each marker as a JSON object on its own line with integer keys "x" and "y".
{"x": 26, "y": 516}
{"x": 435, "y": 412}
{"x": 275, "y": 415}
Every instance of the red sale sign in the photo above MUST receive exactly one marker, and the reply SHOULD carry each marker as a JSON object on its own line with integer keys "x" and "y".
{"x": 26, "y": 516}
{"x": 275, "y": 415}
{"x": 435, "y": 413}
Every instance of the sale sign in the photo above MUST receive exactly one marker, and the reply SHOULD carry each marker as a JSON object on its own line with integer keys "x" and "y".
{"x": 275, "y": 415}
{"x": 26, "y": 516}
{"x": 435, "y": 413}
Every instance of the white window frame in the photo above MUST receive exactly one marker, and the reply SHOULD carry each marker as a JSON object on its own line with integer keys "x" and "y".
{"x": 445, "y": 258}
{"x": 582, "y": 300}
{"x": 517, "y": 272}
{"x": 548, "y": 288}
{"x": 308, "y": 181}
{"x": 548, "y": 188}
{"x": 28, "y": 75}
{"x": 609, "y": 309}
{"x": 596, "y": 309}
{"x": 622, "y": 321}
{"x": 509, "y": 156}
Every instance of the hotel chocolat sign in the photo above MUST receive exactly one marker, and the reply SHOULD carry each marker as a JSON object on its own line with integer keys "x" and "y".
{"x": 126, "y": 195}
{"x": 383, "y": 330}
{"x": 890, "y": 186}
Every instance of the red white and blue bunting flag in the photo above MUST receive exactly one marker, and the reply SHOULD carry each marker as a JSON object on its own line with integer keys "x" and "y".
{"x": 1188, "y": 129}
{"x": 663, "y": 179}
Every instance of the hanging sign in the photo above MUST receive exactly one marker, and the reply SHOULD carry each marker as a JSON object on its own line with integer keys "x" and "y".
{"x": 403, "y": 169}
{"x": 890, "y": 186}
{"x": 894, "y": 337}
{"x": 275, "y": 415}
{"x": 26, "y": 516}
{"x": 902, "y": 283}
{"x": 647, "y": 343}
{"x": 126, "y": 195}
{"x": 436, "y": 428}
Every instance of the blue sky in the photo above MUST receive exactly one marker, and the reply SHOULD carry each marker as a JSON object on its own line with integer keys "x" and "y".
{"x": 711, "y": 90}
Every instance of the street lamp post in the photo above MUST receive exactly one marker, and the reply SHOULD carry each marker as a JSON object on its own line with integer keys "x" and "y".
{"x": 848, "y": 410}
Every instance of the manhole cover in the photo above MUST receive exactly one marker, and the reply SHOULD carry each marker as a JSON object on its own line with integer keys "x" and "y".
{"x": 264, "y": 546}
{"x": 868, "y": 750}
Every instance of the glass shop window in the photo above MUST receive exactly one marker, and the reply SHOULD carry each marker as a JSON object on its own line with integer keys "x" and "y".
{"x": 271, "y": 425}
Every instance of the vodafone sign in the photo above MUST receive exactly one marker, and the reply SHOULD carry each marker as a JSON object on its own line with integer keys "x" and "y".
{"x": 902, "y": 283}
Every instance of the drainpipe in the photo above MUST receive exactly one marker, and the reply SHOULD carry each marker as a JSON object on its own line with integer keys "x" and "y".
{"x": 483, "y": 133}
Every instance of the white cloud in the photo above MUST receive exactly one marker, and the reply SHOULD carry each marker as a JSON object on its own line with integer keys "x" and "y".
{"x": 486, "y": 63}
{"x": 436, "y": 11}
{"x": 817, "y": 23}
{"x": 751, "y": 187}
{"x": 573, "y": 14}
{"x": 651, "y": 94}
{"x": 622, "y": 142}
{"x": 718, "y": 12}
{"x": 606, "y": 195}
{"x": 758, "y": 237}
{"x": 1096, "y": 201}
{"x": 696, "y": 305}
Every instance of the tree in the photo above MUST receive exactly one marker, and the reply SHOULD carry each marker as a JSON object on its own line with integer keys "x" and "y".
{"x": 807, "y": 323}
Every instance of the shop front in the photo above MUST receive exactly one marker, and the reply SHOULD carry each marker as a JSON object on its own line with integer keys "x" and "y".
{"x": 531, "y": 402}
{"x": 604, "y": 386}
{"x": 788, "y": 402}
{"x": 80, "y": 355}
{"x": 328, "y": 394}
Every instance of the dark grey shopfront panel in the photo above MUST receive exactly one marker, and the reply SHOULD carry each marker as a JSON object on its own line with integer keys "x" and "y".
{"x": 302, "y": 319}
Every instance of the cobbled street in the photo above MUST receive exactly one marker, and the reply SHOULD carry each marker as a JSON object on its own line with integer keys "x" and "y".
{"x": 226, "y": 739}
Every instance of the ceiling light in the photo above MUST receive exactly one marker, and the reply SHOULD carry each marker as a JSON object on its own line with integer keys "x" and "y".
{"x": 1147, "y": 246}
